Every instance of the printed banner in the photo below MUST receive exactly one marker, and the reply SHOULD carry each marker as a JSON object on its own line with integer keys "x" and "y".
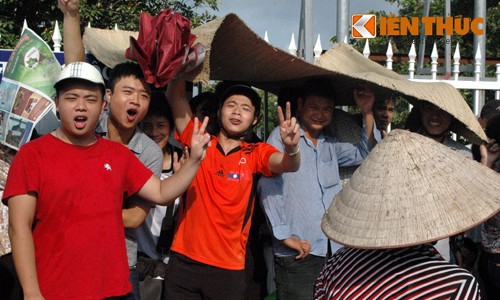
{"x": 26, "y": 89}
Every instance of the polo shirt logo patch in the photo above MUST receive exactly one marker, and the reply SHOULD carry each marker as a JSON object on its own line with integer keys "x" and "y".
{"x": 219, "y": 173}
{"x": 237, "y": 176}
{"x": 233, "y": 176}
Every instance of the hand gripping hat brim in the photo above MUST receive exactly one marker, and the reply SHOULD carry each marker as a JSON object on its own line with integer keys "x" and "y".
{"x": 82, "y": 71}
{"x": 411, "y": 190}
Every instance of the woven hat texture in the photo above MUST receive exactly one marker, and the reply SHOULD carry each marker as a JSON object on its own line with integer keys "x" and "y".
{"x": 344, "y": 59}
{"x": 234, "y": 52}
{"x": 108, "y": 46}
{"x": 411, "y": 190}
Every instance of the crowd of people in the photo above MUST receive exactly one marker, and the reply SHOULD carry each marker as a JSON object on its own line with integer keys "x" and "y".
{"x": 142, "y": 193}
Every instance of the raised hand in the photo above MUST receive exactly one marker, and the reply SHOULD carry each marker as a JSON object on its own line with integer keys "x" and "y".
{"x": 364, "y": 98}
{"x": 179, "y": 161}
{"x": 489, "y": 153}
{"x": 289, "y": 129}
{"x": 69, "y": 6}
{"x": 199, "y": 140}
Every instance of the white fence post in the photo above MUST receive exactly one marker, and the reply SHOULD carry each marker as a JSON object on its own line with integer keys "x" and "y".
{"x": 411, "y": 66}
{"x": 456, "y": 63}
{"x": 292, "y": 48}
{"x": 57, "y": 38}
{"x": 318, "y": 49}
{"x": 477, "y": 75}
{"x": 366, "y": 50}
{"x": 25, "y": 25}
{"x": 411, "y": 63}
{"x": 389, "y": 54}
{"x": 434, "y": 63}
{"x": 497, "y": 93}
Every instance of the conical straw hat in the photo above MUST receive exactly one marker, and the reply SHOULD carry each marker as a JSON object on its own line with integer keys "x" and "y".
{"x": 344, "y": 59}
{"x": 411, "y": 190}
{"x": 235, "y": 52}
{"x": 108, "y": 46}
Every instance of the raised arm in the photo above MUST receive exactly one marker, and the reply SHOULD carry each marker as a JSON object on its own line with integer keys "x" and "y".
{"x": 176, "y": 97}
{"x": 21, "y": 216}
{"x": 72, "y": 38}
{"x": 289, "y": 160}
{"x": 166, "y": 191}
{"x": 365, "y": 98}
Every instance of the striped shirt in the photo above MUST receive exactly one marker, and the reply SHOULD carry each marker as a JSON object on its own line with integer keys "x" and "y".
{"x": 406, "y": 273}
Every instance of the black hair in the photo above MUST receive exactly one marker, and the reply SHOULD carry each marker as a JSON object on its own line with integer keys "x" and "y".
{"x": 289, "y": 94}
{"x": 206, "y": 105}
{"x": 207, "y": 100}
{"x": 158, "y": 107}
{"x": 321, "y": 87}
{"x": 227, "y": 88}
{"x": 122, "y": 70}
{"x": 493, "y": 129}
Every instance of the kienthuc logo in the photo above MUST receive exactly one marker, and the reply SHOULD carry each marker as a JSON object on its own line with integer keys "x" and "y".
{"x": 365, "y": 26}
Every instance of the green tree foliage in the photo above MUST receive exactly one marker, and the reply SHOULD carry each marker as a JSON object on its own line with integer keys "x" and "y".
{"x": 42, "y": 14}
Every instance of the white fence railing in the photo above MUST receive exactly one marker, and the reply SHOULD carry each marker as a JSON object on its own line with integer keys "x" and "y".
{"x": 476, "y": 83}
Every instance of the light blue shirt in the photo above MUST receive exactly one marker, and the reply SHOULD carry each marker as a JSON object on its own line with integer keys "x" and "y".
{"x": 295, "y": 202}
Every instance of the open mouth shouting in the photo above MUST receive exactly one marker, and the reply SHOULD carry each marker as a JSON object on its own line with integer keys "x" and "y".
{"x": 80, "y": 122}
{"x": 132, "y": 114}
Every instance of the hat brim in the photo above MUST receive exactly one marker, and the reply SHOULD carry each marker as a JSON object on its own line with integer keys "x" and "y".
{"x": 411, "y": 190}
{"x": 235, "y": 52}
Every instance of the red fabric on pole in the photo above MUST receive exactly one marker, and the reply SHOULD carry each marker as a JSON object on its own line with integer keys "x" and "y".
{"x": 162, "y": 46}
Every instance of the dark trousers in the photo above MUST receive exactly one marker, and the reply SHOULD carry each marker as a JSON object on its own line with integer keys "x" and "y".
{"x": 295, "y": 279}
{"x": 10, "y": 287}
{"x": 189, "y": 279}
{"x": 489, "y": 271}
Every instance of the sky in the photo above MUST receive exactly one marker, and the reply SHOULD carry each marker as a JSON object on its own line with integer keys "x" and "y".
{"x": 280, "y": 18}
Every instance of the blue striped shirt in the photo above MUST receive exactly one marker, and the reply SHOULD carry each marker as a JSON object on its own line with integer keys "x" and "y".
{"x": 295, "y": 202}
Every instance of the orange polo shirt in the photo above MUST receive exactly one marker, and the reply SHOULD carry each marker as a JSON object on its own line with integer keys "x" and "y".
{"x": 215, "y": 215}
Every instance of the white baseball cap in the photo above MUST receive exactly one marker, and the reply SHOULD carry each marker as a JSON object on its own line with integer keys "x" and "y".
{"x": 80, "y": 70}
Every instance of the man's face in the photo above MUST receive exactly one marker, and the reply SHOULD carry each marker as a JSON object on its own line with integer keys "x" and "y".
{"x": 237, "y": 114}
{"x": 79, "y": 106}
{"x": 129, "y": 102}
{"x": 435, "y": 120}
{"x": 157, "y": 128}
{"x": 383, "y": 111}
{"x": 315, "y": 113}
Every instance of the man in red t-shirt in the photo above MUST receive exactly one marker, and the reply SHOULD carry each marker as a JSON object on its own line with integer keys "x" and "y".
{"x": 208, "y": 251}
{"x": 65, "y": 195}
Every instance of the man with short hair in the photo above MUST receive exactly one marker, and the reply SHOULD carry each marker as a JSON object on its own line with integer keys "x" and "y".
{"x": 129, "y": 96}
{"x": 383, "y": 112}
{"x": 489, "y": 110}
{"x": 65, "y": 194}
{"x": 295, "y": 202}
{"x": 208, "y": 252}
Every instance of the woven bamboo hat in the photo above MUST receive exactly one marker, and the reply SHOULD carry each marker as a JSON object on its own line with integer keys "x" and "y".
{"x": 235, "y": 52}
{"x": 344, "y": 59}
{"x": 411, "y": 190}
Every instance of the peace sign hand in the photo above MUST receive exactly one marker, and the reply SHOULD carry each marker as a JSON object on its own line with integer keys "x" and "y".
{"x": 289, "y": 130}
{"x": 200, "y": 140}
